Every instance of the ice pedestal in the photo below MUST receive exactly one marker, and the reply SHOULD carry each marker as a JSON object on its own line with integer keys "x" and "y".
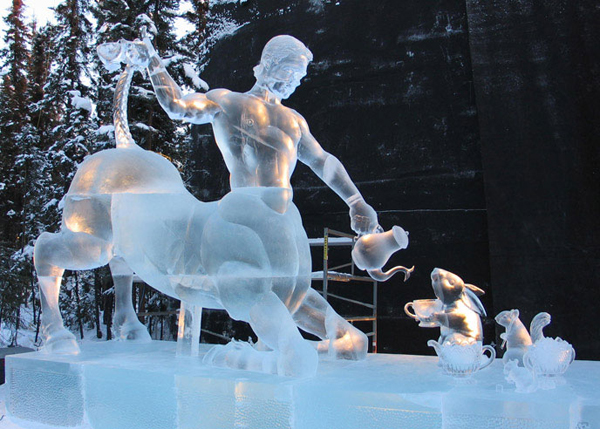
{"x": 117, "y": 385}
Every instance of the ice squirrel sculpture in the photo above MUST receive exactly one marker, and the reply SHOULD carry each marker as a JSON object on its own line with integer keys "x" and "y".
{"x": 516, "y": 339}
{"x": 247, "y": 253}
{"x": 529, "y": 358}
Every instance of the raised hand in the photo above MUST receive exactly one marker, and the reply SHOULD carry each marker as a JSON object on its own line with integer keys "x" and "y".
{"x": 136, "y": 54}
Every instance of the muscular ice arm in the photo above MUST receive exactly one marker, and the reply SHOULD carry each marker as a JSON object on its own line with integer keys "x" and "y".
{"x": 195, "y": 108}
{"x": 332, "y": 172}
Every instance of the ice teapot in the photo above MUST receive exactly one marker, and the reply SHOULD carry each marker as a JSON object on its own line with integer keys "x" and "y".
{"x": 372, "y": 251}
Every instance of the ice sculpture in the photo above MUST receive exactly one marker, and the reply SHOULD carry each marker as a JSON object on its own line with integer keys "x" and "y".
{"x": 459, "y": 317}
{"x": 423, "y": 309}
{"x": 516, "y": 339}
{"x": 456, "y": 311}
{"x": 538, "y": 353}
{"x": 462, "y": 360}
{"x": 372, "y": 251}
{"x": 549, "y": 356}
{"x": 247, "y": 253}
{"x": 530, "y": 360}
{"x": 524, "y": 380}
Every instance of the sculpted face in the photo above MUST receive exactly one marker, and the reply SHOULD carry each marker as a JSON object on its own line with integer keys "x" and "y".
{"x": 446, "y": 285}
{"x": 283, "y": 78}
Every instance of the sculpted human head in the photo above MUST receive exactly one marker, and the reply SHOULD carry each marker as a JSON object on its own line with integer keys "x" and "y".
{"x": 282, "y": 65}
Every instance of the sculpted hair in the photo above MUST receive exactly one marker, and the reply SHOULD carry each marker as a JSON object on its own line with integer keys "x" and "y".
{"x": 279, "y": 48}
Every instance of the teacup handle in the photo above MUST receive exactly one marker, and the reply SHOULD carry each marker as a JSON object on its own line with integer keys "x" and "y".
{"x": 572, "y": 355}
{"x": 406, "y": 307}
{"x": 527, "y": 361}
{"x": 489, "y": 361}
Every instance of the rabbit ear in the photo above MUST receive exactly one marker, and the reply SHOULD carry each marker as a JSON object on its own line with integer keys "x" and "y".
{"x": 475, "y": 289}
{"x": 471, "y": 301}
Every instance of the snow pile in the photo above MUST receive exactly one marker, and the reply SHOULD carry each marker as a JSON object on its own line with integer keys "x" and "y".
{"x": 81, "y": 102}
{"x": 190, "y": 72}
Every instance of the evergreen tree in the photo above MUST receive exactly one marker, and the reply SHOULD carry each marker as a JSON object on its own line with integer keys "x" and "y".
{"x": 67, "y": 130}
{"x": 39, "y": 69}
{"x": 192, "y": 44}
{"x": 68, "y": 90}
{"x": 197, "y": 16}
{"x": 14, "y": 142}
{"x": 13, "y": 117}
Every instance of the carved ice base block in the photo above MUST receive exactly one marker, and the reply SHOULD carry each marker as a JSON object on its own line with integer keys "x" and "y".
{"x": 116, "y": 385}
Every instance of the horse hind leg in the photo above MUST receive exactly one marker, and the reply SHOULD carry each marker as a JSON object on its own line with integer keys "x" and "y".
{"x": 126, "y": 324}
{"x": 52, "y": 255}
{"x": 340, "y": 339}
{"x": 245, "y": 294}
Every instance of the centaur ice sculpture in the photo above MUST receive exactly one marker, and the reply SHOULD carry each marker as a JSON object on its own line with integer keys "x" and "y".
{"x": 247, "y": 253}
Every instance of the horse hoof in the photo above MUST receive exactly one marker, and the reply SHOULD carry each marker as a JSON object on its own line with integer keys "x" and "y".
{"x": 134, "y": 331}
{"x": 352, "y": 346}
{"x": 62, "y": 342}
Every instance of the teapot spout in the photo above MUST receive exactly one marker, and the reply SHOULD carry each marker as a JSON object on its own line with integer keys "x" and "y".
{"x": 382, "y": 276}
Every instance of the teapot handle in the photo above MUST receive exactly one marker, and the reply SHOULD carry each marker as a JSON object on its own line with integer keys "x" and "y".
{"x": 489, "y": 361}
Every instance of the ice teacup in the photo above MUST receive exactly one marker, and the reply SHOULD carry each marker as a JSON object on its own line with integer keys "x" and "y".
{"x": 423, "y": 309}
{"x": 549, "y": 356}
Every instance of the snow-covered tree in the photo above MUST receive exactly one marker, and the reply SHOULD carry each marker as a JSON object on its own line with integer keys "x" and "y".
{"x": 15, "y": 137}
{"x": 13, "y": 117}
{"x": 56, "y": 103}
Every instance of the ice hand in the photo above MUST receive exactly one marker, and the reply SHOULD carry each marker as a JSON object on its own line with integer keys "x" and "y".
{"x": 363, "y": 218}
{"x": 138, "y": 53}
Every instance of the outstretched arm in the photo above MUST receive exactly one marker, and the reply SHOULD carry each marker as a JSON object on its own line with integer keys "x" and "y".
{"x": 195, "y": 108}
{"x": 362, "y": 216}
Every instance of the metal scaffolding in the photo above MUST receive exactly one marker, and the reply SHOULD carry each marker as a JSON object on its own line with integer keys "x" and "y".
{"x": 333, "y": 238}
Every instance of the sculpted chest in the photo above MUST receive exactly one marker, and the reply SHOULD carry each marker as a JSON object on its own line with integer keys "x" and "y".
{"x": 259, "y": 127}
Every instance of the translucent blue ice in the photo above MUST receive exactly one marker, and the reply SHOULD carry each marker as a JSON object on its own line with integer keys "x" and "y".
{"x": 247, "y": 253}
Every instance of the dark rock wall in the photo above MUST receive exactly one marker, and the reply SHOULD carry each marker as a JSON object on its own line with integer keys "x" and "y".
{"x": 391, "y": 92}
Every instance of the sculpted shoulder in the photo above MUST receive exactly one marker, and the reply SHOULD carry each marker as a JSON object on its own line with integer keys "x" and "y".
{"x": 302, "y": 124}
{"x": 231, "y": 103}
{"x": 218, "y": 95}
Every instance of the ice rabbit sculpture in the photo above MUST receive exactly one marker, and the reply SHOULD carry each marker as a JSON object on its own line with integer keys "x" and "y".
{"x": 247, "y": 253}
{"x": 457, "y": 312}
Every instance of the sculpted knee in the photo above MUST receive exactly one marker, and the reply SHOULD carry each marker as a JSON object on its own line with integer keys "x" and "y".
{"x": 42, "y": 256}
